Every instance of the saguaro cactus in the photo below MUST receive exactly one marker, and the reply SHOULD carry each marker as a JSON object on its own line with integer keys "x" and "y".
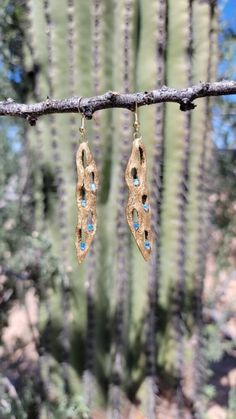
{"x": 120, "y": 320}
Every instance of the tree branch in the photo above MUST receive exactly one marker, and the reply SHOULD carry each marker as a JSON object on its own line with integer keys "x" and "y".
{"x": 184, "y": 97}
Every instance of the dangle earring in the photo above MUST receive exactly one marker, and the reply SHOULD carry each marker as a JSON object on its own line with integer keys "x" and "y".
{"x": 86, "y": 195}
{"x": 138, "y": 209}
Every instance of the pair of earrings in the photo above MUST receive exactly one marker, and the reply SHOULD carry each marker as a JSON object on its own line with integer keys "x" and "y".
{"x": 138, "y": 208}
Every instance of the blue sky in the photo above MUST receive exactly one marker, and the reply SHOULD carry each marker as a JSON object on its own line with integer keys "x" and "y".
{"x": 228, "y": 21}
{"x": 226, "y": 69}
{"x": 228, "y": 11}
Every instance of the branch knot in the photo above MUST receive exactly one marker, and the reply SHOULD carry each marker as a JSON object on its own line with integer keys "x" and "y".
{"x": 186, "y": 105}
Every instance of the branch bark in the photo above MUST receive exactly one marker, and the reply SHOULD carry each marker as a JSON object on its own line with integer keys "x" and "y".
{"x": 184, "y": 97}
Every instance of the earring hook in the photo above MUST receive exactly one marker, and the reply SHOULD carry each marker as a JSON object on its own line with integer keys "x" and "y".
{"x": 79, "y": 109}
{"x": 136, "y": 124}
{"x": 82, "y": 128}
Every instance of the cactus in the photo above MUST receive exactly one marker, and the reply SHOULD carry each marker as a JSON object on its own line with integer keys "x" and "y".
{"x": 198, "y": 223}
{"x": 117, "y": 322}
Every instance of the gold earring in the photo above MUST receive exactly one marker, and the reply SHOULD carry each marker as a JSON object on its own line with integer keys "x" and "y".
{"x": 138, "y": 208}
{"x": 86, "y": 195}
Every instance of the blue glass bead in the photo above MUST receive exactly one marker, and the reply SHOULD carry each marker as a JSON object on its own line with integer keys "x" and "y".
{"x": 83, "y": 202}
{"x": 82, "y": 246}
{"x": 93, "y": 187}
{"x": 136, "y": 226}
{"x": 147, "y": 245}
{"x": 90, "y": 227}
{"x": 136, "y": 182}
{"x": 146, "y": 207}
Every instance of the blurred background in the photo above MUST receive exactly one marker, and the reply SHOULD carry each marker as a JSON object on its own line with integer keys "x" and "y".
{"x": 118, "y": 337}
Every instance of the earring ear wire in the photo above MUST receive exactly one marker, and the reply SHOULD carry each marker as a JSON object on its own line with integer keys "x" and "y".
{"x": 82, "y": 128}
{"x": 79, "y": 105}
{"x": 136, "y": 123}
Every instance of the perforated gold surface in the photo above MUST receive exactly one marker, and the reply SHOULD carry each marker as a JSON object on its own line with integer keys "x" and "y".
{"x": 86, "y": 196}
{"x": 138, "y": 208}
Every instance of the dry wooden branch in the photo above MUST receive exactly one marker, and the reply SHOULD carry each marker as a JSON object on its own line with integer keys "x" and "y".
{"x": 184, "y": 97}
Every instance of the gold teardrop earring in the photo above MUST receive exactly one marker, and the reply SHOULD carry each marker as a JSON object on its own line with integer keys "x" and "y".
{"x": 86, "y": 195}
{"x": 138, "y": 207}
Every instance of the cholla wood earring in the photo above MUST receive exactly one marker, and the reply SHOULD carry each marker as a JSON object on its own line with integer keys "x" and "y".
{"x": 138, "y": 209}
{"x": 86, "y": 196}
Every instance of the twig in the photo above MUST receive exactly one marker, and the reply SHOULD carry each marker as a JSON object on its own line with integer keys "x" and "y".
{"x": 184, "y": 97}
